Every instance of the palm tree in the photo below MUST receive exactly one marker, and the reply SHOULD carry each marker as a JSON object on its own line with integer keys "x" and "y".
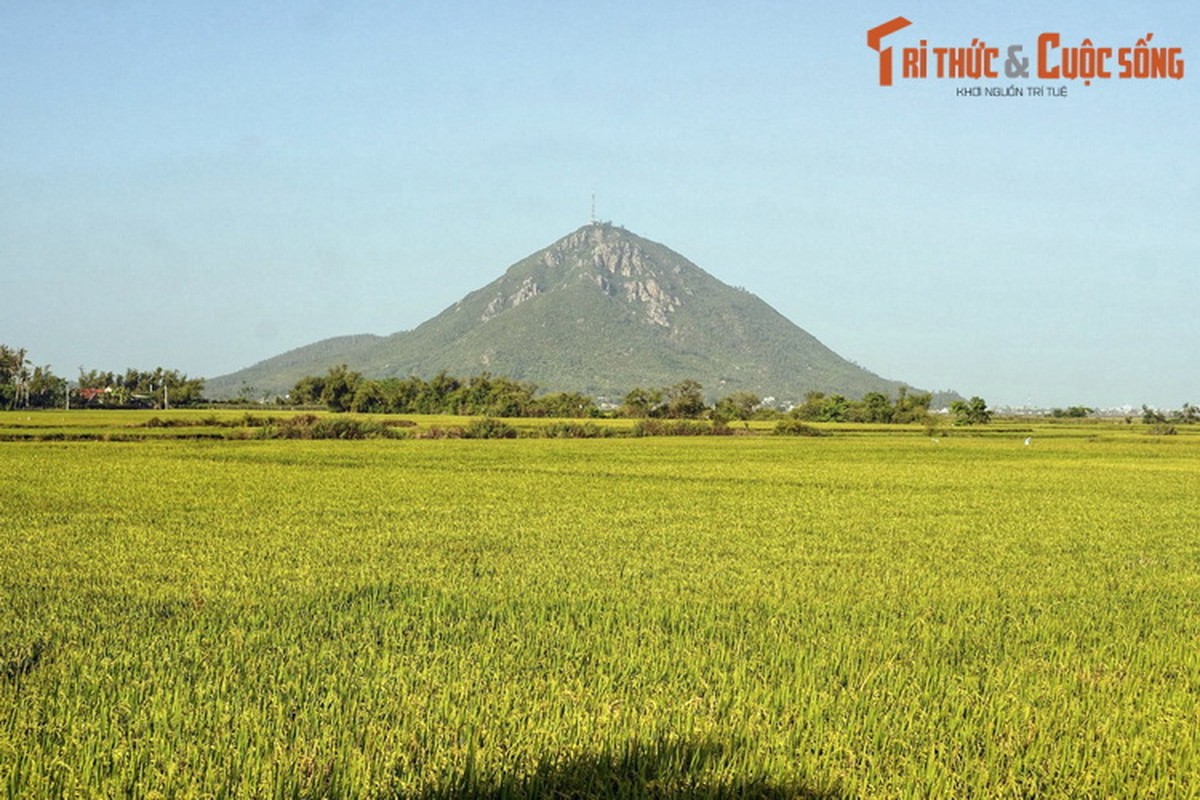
{"x": 23, "y": 375}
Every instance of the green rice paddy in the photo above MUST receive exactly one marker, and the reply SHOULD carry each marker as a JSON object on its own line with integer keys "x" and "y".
{"x": 873, "y": 613}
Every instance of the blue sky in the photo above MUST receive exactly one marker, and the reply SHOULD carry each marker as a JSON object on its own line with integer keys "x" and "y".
{"x": 204, "y": 185}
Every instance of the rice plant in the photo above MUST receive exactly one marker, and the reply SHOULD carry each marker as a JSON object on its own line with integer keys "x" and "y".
{"x": 855, "y": 615}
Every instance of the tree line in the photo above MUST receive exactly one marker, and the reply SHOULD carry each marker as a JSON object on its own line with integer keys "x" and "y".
{"x": 157, "y": 388}
{"x": 1188, "y": 415}
{"x": 24, "y": 385}
{"x": 871, "y": 407}
{"x": 342, "y": 389}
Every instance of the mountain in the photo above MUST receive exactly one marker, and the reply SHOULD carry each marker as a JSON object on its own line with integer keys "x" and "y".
{"x": 600, "y": 311}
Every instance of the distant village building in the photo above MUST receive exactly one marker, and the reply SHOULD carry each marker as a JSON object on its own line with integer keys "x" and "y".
{"x": 89, "y": 395}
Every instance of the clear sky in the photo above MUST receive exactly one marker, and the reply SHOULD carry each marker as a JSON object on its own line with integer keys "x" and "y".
{"x": 201, "y": 185}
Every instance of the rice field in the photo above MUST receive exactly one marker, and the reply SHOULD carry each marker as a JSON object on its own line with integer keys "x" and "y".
{"x": 868, "y": 614}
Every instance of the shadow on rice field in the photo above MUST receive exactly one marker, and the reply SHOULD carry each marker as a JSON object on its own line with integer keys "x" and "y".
{"x": 665, "y": 768}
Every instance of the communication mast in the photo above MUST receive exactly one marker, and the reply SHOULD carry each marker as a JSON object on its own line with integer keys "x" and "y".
{"x": 594, "y": 220}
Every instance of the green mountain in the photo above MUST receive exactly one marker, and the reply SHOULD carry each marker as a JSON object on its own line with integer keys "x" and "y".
{"x": 599, "y": 311}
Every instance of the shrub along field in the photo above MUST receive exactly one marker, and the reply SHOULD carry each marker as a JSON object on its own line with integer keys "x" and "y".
{"x": 864, "y": 614}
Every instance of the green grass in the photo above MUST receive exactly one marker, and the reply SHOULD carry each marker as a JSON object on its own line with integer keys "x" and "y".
{"x": 859, "y": 615}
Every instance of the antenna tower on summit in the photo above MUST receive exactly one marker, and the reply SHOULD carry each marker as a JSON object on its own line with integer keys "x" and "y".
{"x": 594, "y": 220}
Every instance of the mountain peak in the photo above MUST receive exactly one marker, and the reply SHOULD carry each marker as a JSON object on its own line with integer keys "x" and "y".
{"x": 616, "y": 263}
{"x": 601, "y": 310}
